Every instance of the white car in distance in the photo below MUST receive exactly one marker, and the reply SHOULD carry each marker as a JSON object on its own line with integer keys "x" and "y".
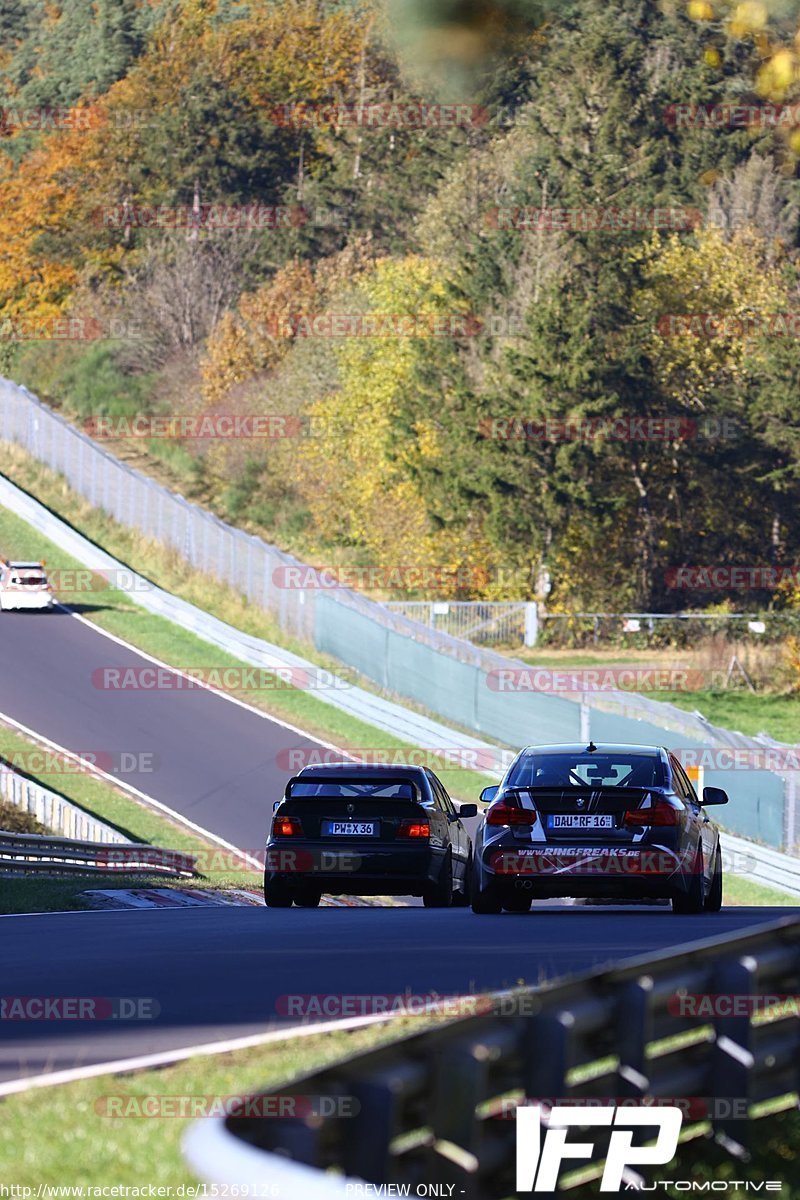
{"x": 24, "y": 585}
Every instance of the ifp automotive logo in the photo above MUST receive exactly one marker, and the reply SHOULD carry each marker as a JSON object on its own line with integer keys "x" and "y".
{"x": 539, "y": 1159}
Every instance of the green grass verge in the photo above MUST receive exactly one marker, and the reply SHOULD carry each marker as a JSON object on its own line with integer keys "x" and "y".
{"x": 57, "y": 1135}
{"x": 750, "y": 713}
{"x": 741, "y": 892}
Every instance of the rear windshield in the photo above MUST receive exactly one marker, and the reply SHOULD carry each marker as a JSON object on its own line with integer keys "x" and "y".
{"x": 588, "y": 770}
{"x": 379, "y": 789}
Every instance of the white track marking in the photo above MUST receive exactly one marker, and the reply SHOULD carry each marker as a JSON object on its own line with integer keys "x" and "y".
{"x": 144, "y": 1062}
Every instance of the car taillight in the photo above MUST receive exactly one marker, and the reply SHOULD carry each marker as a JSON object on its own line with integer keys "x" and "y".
{"x": 414, "y": 829}
{"x": 660, "y": 813}
{"x": 287, "y": 827}
{"x": 506, "y": 814}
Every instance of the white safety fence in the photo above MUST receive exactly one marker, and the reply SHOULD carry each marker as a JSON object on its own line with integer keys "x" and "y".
{"x": 55, "y": 812}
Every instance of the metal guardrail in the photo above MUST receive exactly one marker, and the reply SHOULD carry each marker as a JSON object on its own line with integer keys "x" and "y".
{"x": 54, "y": 811}
{"x": 25, "y": 853}
{"x": 439, "y": 1106}
{"x": 760, "y": 864}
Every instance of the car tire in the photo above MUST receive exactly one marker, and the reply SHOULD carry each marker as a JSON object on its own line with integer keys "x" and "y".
{"x": 692, "y": 901}
{"x": 277, "y": 894}
{"x": 308, "y": 897}
{"x": 517, "y": 903}
{"x": 461, "y": 899}
{"x": 440, "y": 894}
{"x": 714, "y": 897}
{"x": 486, "y": 901}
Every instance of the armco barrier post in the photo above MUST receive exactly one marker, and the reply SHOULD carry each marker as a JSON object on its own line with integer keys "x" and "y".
{"x": 790, "y": 834}
{"x": 531, "y": 623}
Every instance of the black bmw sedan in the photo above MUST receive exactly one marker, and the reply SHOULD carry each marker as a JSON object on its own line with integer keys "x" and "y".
{"x": 354, "y": 829}
{"x": 609, "y": 821}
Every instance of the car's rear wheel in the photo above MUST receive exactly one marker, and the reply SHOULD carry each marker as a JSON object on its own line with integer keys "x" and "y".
{"x": 308, "y": 897}
{"x": 692, "y": 900}
{"x": 277, "y": 894}
{"x": 517, "y": 903}
{"x": 485, "y": 900}
{"x": 714, "y": 897}
{"x": 440, "y": 894}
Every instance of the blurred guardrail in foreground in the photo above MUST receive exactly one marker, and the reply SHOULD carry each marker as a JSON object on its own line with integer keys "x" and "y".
{"x": 706, "y": 1029}
{"x": 24, "y": 853}
{"x": 449, "y": 676}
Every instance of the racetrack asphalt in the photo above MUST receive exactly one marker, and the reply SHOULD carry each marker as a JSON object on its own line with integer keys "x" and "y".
{"x": 216, "y": 973}
{"x": 220, "y": 972}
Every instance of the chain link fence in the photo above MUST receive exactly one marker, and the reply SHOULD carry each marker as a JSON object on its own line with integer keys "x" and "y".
{"x": 484, "y": 622}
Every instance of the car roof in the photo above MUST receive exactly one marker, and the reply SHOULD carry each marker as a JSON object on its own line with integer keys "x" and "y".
{"x": 599, "y": 748}
{"x": 362, "y": 768}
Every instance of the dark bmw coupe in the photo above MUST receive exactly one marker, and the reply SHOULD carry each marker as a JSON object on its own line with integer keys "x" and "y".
{"x": 355, "y": 829}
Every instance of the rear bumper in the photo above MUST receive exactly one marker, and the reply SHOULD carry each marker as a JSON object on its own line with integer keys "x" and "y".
{"x": 584, "y": 872}
{"x": 354, "y": 870}
{"x": 18, "y": 600}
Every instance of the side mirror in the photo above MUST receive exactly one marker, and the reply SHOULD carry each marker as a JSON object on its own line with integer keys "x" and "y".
{"x": 276, "y": 805}
{"x": 712, "y": 795}
{"x": 468, "y": 810}
{"x": 489, "y": 793}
